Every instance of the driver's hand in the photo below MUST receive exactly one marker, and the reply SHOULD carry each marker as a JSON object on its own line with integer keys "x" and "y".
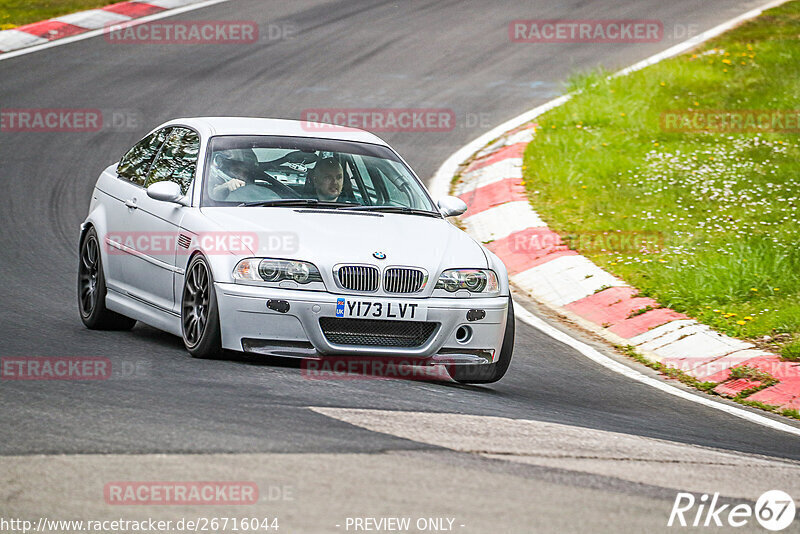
{"x": 233, "y": 185}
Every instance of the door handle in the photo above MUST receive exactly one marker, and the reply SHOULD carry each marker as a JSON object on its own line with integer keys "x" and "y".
{"x": 131, "y": 204}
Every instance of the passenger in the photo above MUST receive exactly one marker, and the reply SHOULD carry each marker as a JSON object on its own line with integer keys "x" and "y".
{"x": 228, "y": 173}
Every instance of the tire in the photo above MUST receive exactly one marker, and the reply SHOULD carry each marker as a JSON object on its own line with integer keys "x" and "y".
{"x": 92, "y": 289}
{"x": 490, "y": 372}
{"x": 199, "y": 314}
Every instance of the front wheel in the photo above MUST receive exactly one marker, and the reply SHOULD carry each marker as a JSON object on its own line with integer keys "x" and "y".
{"x": 490, "y": 372}
{"x": 199, "y": 313}
{"x": 92, "y": 289}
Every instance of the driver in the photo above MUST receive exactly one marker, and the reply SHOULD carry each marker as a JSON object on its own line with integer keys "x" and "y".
{"x": 328, "y": 179}
{"x": 229, "y": 172}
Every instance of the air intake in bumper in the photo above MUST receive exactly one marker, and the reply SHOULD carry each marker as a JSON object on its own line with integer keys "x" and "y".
{"x": 374, "y": 332}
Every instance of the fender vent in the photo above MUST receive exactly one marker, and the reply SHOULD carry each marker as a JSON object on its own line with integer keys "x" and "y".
{"x": 184, "y": 240}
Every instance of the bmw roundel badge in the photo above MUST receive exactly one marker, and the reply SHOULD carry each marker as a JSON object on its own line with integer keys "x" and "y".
{"x": 379, "y": 255}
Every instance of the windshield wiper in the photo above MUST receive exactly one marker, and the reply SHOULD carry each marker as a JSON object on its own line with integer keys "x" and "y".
{"x": 291, "y": 202}
{"x": 395, "y": 209}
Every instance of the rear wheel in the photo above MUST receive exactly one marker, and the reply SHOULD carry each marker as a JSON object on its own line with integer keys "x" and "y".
{"x": 92, "y": 289}
{"x": 199, "y": 314}
{"x": 491, "y": 372}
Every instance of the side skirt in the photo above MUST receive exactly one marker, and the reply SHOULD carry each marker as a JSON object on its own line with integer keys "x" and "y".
{"x": 143, "y": 311}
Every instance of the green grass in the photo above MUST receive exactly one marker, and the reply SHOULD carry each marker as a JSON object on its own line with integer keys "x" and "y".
{"x": 671, "y": 372}
{"x": 791, "y": 351}
{"x": 791, "y": 413}
{"x": 725, "y": 205}
{"x": 15, "y": 13}
{"x": 751, "y": 373}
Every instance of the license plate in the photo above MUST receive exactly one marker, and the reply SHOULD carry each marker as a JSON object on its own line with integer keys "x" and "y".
{"x": 381, "y": 309}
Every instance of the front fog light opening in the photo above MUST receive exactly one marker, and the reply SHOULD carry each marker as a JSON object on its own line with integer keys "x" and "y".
{"x": 464, "y": 334}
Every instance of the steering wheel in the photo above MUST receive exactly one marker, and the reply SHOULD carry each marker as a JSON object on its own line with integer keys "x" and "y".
{"x": 283, "y": 190}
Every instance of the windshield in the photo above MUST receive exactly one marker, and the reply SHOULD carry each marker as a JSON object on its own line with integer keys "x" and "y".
{"x": 291, "y": 171}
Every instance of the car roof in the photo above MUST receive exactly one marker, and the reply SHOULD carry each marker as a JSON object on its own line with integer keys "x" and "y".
{"x": 211, "y": 126}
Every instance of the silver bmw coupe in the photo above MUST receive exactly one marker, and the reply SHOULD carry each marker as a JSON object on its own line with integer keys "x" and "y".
{"x": 294, "y": 239}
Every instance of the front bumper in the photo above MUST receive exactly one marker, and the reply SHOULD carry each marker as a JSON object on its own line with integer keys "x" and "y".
{"x": 248, "y": 325}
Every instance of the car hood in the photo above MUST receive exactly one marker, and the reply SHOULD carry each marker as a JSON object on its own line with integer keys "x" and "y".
{"x": 329, "y": 237}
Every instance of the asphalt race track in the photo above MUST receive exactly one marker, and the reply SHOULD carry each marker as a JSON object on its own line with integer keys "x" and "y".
{"x": 346, "y": 54}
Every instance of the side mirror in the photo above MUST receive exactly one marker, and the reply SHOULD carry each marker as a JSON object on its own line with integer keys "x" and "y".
{"x": 451, "y": 206}
{"x": 166, "y": 192}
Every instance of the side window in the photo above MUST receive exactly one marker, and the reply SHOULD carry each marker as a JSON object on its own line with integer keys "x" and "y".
{"x": 371, "y": 190}
{"x": 177, "y": 160}
{"x": 394, "y": 193}
{"x": 134, "y": 165}
{"x": 399, "y": 194}
{"x": 349, "y": 178}
{"x": 401, "y": 191}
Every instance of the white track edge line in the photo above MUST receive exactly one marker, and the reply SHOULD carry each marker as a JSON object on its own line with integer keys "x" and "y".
{"x": 440, "y": 185}
{"x": 699, "y": 38}
{"x": 94, "y": 33}
{"x": 440, "y": 182}
{"x": 527, "y": 317}
{"x": 441, "y": 179}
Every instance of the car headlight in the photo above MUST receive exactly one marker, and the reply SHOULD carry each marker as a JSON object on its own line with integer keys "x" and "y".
{"x": 274, "y": 270}
{"x": 473, "y": 280}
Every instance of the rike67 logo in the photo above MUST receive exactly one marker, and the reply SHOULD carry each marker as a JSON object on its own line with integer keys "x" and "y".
{"x": 774, "y": 510}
